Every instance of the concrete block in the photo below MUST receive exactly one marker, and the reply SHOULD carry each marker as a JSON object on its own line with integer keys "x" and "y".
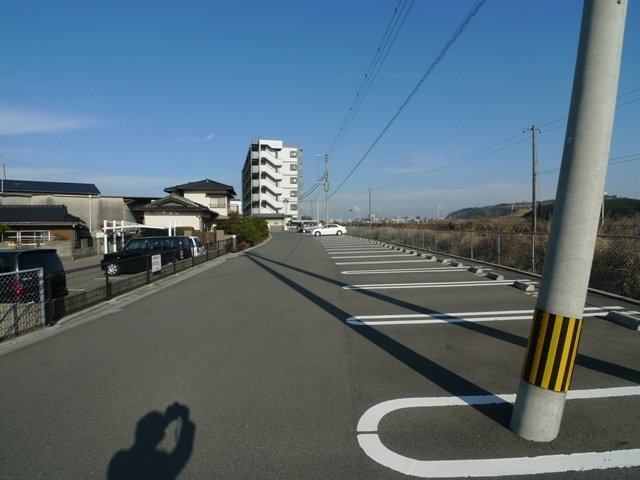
{"x": 624, "y": 319}
{"x": 527, "y": 287}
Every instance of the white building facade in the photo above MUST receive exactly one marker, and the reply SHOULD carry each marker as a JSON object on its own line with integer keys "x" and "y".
{"x": 271, "y": 180}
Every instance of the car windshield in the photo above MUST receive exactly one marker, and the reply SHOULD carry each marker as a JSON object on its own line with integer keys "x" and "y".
{"x": 136, "y": 245}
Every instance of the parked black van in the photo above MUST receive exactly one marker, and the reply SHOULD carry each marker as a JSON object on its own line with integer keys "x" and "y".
{"x": 23, "y": 287}
{"x": 136, "y": 255}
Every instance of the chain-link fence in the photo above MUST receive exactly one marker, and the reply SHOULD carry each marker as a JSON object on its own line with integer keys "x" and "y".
{"x": 615, "y": 268}
{"x": 22, "y": 302}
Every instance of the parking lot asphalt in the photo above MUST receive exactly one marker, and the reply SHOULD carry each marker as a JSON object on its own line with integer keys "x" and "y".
{"x": 326, "y": 358}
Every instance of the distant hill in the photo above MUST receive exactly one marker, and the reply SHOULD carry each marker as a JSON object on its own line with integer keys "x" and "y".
{"x": 614, "y": 207}
{"x": 501, "y": 210}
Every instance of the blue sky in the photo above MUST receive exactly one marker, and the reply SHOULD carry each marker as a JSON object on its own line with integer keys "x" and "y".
{"x": 137, "y": 96}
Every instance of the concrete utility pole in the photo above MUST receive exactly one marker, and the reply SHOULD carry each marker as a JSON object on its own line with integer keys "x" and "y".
{"x": 326, "y": 187}
{"x": 557, "y": 321}
{"x": 534, "y": 204}
{"x": 370, "y": 220}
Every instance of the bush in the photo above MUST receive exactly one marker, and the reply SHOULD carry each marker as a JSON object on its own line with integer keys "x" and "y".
{"x": 248, "y": 229}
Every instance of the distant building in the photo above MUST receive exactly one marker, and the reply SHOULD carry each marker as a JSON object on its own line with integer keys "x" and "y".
{"x": 33, "y": 225}
{"x": 84, "y": 207}
{"x": 271, "y": 181}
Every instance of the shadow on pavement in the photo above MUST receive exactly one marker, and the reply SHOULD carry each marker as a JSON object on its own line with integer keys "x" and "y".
{"x": 144, "y": 460}
{"x": 439, "y": 375}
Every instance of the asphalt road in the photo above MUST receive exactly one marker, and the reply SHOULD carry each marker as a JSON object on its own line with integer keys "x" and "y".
{"x": 284, "y": 357}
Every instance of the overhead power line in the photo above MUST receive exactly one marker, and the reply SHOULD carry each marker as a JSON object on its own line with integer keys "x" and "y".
{"x": 492, "y": 149}
{"x": 393, "y": 29}
{"x": 394, "y": 26}
{"x": 474, "y": 10}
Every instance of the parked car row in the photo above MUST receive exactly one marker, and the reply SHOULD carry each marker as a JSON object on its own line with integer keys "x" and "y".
{"x": 137, "y": 254}
{"x": 317, "y": 229}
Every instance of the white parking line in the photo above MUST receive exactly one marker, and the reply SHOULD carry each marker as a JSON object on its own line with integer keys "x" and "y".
{"x": 461, "y": 317}
{"x": 387, "y": 254}
{"x": 393, "y": 286}
{"x": 380, "y": 262}
{"x": 370, "y": 442}
{"x": 355, "y": 252}
{"x": 403, "y": 270}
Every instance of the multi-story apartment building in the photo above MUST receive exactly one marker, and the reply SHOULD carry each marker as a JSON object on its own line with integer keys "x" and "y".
{"x": 271, "y": 180}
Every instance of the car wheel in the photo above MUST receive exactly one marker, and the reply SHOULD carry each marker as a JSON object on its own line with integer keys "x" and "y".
{"x": 317, "y": 234}
{"x": 113, "y": 269}
{"x": 339, "y": 232}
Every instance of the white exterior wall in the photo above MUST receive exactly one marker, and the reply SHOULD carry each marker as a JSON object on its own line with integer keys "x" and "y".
{"x": 279, "y": 169}
{"x": 211, "y": 202}
{"x": 164, "y": 221}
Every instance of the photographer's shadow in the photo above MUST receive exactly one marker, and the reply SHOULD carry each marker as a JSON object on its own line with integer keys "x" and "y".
{"x": 144, "y": 460}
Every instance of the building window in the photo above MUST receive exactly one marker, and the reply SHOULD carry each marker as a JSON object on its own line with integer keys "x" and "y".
{"x": 293, "y": 180}
{"x": 293, "y": 154}
{"x": 293, "y": 166}
{"x": 294, "y": 193}
{"x": 217, "y": 202}
{"x": 294, "y": 207}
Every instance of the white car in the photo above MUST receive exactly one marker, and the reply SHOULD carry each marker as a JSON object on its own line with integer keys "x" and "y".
{"x": 328, "y": 229}
{"x": 197, "y": 248}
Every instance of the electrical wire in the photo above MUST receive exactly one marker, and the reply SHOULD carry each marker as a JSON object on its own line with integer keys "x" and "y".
{"x": 388, "y": 39}
{"x": 474, "y": 10}
{"x": 490, "y": 150}
{"x": 384, "y": 47}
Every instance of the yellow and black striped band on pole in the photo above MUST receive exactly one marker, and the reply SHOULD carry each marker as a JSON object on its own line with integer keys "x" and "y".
{"x": 551, "y": 352}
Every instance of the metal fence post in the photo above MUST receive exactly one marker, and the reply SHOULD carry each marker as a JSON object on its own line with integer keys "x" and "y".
{"x": 107, "y": 287}
{"x": 471, "y": 244}
{"x": 48, "y": 299}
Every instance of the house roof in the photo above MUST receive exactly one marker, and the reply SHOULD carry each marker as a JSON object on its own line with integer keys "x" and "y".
{"x": 176, "y": 204}
{"x": 203, "y": 186}
{"x": 29, "y": 186}
{"x": 23, "y": 215}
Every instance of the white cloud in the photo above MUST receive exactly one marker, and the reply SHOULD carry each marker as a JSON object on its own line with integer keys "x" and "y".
{"x": 194, "y": 138}
{"x": 14, "y": 121}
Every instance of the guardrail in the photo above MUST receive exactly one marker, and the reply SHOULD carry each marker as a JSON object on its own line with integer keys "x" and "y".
{"x": 615, "y": 268}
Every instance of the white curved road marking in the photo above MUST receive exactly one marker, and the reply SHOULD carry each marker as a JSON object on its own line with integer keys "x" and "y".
{"x": 370, "y": 442}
